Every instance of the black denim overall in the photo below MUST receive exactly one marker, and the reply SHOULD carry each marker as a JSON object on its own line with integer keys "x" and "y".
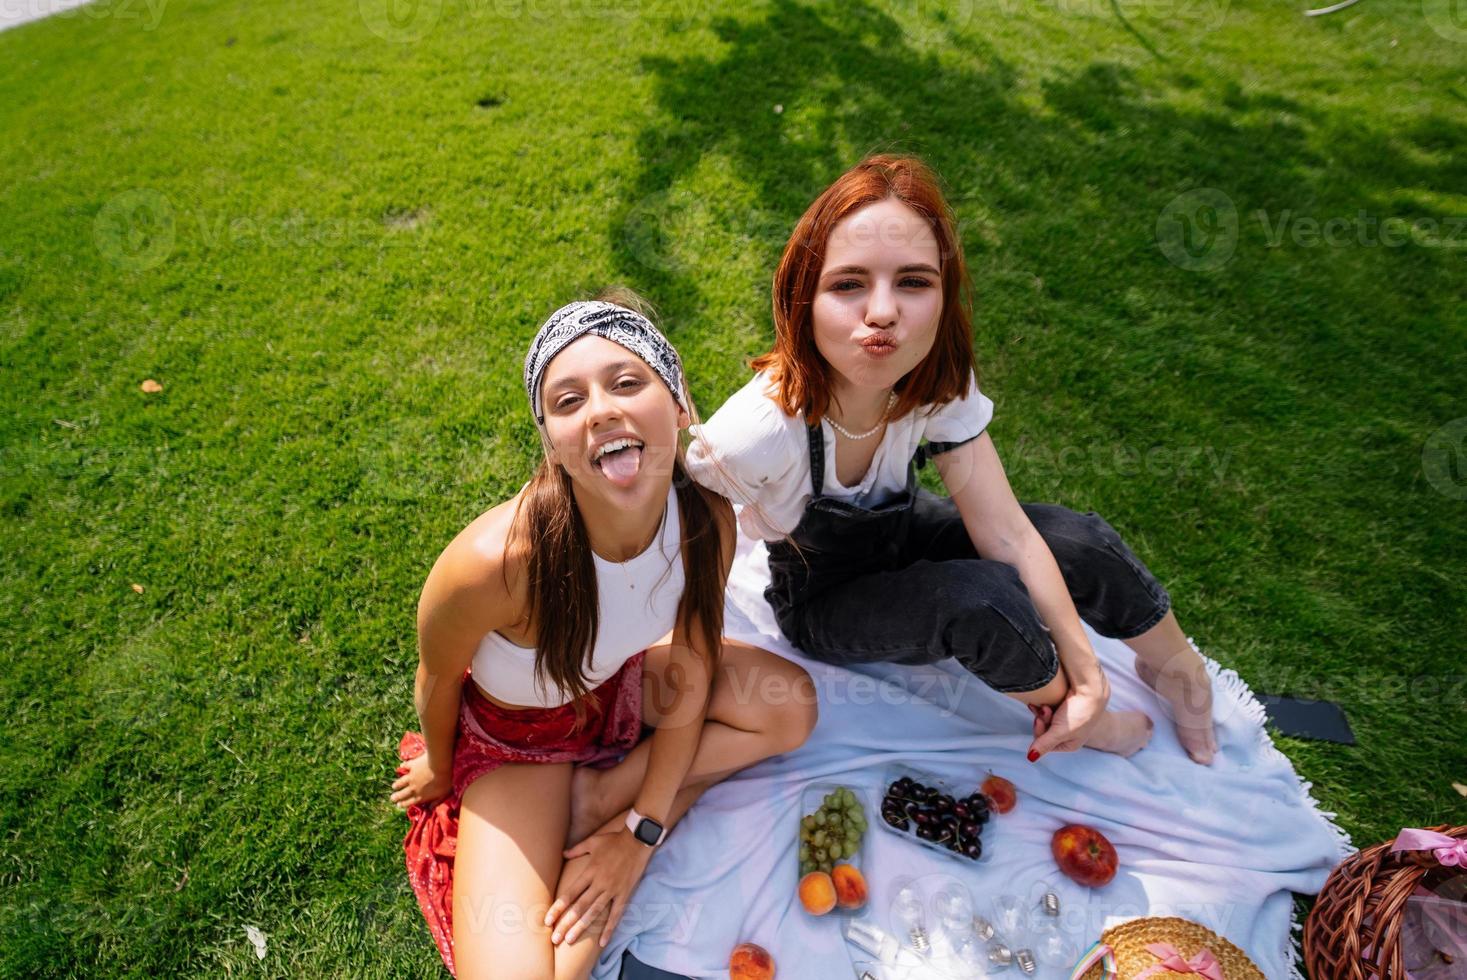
{"x": 902, "y": 583}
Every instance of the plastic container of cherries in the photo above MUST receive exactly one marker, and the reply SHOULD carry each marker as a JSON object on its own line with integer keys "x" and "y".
{"x": 930, "y": 811}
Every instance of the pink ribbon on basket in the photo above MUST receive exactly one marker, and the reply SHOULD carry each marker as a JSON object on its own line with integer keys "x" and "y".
{"x": 1204, "y": 964}
{"x": 1450, "y": 852}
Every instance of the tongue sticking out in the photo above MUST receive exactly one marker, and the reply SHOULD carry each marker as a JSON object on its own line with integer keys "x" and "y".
{"x": 621, "y": 466}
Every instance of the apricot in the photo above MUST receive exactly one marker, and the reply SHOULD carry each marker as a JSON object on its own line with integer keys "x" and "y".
{"x": 850, "y": 886}
{"x": 817, "y": 892}
{"x": 750, "y": 962}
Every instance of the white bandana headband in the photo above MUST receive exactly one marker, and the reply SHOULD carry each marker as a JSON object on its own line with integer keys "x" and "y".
{"x": 611, "y": 322}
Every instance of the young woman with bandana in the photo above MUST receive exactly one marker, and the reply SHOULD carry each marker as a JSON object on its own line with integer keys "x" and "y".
{"x": 554, "y": 632}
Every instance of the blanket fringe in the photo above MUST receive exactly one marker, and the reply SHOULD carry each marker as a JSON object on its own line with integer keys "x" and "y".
{"x": 1227, "y": 679}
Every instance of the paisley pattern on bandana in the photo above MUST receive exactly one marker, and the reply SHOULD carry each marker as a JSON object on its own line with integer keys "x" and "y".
{"x": 611, "y": 322}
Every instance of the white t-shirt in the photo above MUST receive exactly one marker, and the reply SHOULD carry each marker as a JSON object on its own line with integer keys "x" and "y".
{"x": 750, "y": 451}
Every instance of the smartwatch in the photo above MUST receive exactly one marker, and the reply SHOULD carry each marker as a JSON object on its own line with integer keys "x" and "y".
{"x": 645, "y": 829}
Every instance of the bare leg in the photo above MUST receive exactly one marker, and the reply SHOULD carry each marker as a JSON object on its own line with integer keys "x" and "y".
{"x": 507, "y": 866}
{"x": 1123, "y": 733}
{"x": 739, "y": 731}
{"x": 1169, "y": 665}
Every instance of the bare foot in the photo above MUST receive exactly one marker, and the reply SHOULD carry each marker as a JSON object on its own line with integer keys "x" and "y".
{"x": 1186, "y": 691}
{"x": 1123, "y": 732}
{"x": 585, "y": 805}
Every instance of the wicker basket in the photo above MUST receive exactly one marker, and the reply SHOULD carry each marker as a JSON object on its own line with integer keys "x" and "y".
{"x": 1360, "y": 908}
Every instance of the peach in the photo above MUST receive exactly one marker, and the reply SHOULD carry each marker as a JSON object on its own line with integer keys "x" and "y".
{"x": 817, "y": 892}
{"x": 1000, "y": 792}
{"x": 750, "y": 962}
{"x": 850, "y": 886}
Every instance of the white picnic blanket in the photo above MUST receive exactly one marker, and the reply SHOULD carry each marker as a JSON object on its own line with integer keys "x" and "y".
{"x": 1223, "y": 845}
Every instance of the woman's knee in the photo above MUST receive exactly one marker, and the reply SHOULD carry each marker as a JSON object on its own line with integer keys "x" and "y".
{"x": 997, "y": 634}
{"x": 761, "y": 691}
{"x": 1111, "y": 588}
{"x": 797, "y": 718}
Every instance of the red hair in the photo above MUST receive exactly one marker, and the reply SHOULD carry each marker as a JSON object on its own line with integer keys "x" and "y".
{"x": 800, "y": 374}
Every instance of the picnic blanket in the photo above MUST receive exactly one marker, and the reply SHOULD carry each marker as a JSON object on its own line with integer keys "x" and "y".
{"x": 1223, "y": 845}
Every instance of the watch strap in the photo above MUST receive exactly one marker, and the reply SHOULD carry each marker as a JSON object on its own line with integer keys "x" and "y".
{"x": 634, "y": 824}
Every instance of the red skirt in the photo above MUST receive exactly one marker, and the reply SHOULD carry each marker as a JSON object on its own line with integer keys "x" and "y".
{"x": 488, "y": 737}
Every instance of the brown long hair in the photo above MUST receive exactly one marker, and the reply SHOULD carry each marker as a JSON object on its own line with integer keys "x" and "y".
{"x": 549, "y": 534}
{"x": 801, "y": 375}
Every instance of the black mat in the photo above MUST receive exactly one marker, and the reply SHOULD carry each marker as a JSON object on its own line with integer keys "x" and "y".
{"x": 633, "y": 969}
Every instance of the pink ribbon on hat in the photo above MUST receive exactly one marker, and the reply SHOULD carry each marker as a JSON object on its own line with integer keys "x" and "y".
{"x": 1204, "y": 964}
{"x": 1450, "y": 852}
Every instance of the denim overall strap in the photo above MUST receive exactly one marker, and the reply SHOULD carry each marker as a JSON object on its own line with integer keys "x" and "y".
{"x": 817, "y": 458}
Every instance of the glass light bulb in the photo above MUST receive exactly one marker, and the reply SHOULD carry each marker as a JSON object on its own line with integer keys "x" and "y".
{"x": 1008, "y": 917}
{"x": 906, "y": 908}
{"x": 954, "y": 910}
{"x": 1051, "y": 946}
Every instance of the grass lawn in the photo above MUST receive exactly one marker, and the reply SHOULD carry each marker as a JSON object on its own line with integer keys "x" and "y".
{"x": 328, "y": 231}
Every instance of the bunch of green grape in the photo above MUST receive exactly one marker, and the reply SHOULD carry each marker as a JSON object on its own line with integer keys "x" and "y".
{"x": 831, "y": 834}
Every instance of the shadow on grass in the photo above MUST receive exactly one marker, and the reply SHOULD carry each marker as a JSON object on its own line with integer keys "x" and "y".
{"x": 1073, "y": 187}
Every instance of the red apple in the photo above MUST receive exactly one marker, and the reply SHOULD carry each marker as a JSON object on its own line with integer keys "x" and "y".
{"x": 1084, "y": 854}
{"x": 750, "y": 962}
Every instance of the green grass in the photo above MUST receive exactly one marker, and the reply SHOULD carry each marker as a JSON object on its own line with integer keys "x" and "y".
{"x": 331, "y": 249}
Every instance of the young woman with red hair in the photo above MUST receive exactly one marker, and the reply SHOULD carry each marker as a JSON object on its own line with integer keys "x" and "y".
{"x": 872, "y": 373}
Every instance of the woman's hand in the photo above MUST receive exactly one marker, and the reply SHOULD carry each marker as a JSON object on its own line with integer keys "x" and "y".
{"x": 1069, "y": 726}
{"x": 418, "y": 783}
{"x": 603, "y": 886}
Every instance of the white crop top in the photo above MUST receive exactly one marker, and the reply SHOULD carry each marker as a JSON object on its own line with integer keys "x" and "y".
{"x": 638, "y": 605}
{"x": 751, "y": 452}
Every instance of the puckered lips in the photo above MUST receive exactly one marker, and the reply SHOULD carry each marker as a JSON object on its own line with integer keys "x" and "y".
{"x": 618, "y": 455}
{"x": 880, "y": 344}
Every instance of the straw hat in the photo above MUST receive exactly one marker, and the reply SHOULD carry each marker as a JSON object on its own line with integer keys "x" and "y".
{"x": 1130, "y": 939}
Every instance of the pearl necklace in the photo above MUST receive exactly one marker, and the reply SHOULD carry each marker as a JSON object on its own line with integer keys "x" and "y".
{"x": 890, "y": 402}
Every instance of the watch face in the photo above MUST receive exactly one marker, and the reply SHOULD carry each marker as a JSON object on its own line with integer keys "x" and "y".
{"x": 649, "y": 831}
